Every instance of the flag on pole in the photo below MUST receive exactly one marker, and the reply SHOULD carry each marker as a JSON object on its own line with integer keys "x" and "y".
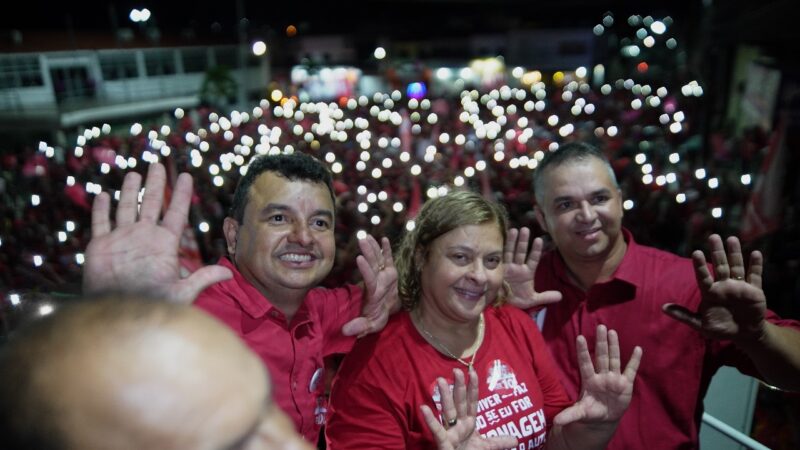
{"x": 764, "y": 211}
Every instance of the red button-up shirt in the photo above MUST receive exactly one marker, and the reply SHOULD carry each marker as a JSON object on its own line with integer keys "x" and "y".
{"x": 678, "y": 362}
{"x": 292, "y": 352}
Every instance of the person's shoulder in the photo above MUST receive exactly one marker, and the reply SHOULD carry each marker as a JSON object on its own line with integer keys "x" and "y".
{"x": 506, "y": 313}
{"x": 646, "y": 251}
{"x": 664, "y": 262}
{"x": 221, "y": 293}
{"x": 662, "y": 275}
{"x": 509, "y": 317}
{"x": 398, "y": 328}
{"x": 386, "y": 352}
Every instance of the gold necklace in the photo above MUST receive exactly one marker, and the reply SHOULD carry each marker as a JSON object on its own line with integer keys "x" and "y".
{"x": 438, "y": 344}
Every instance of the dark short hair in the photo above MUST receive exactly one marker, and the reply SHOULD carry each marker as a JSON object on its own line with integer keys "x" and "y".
{"x": 295, "y": 166}
{"x": 437, "y": 217}
{"x": 566, "y": 154}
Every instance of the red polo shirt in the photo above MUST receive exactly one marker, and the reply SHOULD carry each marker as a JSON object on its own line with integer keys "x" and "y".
{"x": 293, "y": 352}
{"x": 678, "y": 362}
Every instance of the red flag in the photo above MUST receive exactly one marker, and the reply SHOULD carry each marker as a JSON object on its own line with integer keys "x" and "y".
{"x": 763, "y": 213}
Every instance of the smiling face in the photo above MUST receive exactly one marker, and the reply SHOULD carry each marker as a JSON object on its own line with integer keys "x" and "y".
{"x": 582, "y": 211}
{"x": 285, "y": 242}
{"x": 462, "y": 273}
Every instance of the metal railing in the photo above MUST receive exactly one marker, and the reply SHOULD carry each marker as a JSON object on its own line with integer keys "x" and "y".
{"x": 732, "y": 433}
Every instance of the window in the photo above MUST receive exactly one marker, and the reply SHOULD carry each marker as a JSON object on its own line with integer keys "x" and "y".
{"x": 195, "y": 60}
{"x": 159, "y": 62}
{"x": 118, "y": 66}
{"x": 20, "y": 71}
{"x": 227, "y": 57}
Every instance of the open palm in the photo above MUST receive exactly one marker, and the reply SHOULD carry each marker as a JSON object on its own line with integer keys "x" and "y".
{"x": 140, "y": 254}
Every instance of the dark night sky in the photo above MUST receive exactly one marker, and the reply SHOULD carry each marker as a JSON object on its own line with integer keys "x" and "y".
{"x": 725, "y": 22}
{"x": 387, "y": 17}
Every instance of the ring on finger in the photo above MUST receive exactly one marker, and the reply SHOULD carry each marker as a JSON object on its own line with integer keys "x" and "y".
{"x": 452, "y": 422}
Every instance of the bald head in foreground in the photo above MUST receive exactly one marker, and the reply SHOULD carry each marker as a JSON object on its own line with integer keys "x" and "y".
{"x": 136, "y": 374}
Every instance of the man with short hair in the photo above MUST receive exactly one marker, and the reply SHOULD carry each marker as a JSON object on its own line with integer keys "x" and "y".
{"x": 280, "y": 242}
{"x": 605, "y": 277}
{"x": 135, "y": 373}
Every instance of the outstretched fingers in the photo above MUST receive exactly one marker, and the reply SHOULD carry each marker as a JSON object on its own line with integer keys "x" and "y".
{"x": 633, "y": 364}
{"x": 569, "y": 415}
{"x": 511, "y": 245}
{"x": 735, "y": 258}
{"x": 614, "y": 359}
{"x": 448, "y": 405}
{"x": 128, "y": 207}
{"x": 756, "y": 269}
{"x": 460, "y": 394}
{"x": 535, "y": 254}
{"x": 178, "y": 211}
{"x": 585, "y": 365}
{"x": 371, "y": 261}
{"x": 153, "y": 197}
{"x": 386, "y": 252}
{"x": 721, "y": 266}
{"x": 701, "y": 273}
{"x": 601, "y": 350}
{"x": 438, "y": 431}
{"x": 201, "y": 279}
{"x": 101, "y": 223}
{"x": 521, "y": 250}
{"x": 472, "y": 391}
{"x": 683, "y": 315}
{"x": 500, "y": 442}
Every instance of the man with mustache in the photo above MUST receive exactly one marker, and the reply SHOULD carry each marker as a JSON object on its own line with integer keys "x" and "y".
{"x": 280, "y": 243}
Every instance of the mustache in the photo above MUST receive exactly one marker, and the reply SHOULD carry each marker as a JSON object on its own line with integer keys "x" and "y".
{"x": 294, "y": 248}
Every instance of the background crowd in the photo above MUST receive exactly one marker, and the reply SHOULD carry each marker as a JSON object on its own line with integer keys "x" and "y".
{"x": 389, "y": 153}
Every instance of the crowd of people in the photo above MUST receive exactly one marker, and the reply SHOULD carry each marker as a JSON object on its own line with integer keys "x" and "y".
{"x": 49, "y": 188}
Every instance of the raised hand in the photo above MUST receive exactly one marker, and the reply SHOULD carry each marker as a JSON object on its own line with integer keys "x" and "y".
{"x": 520, "y": 268}
{"x": 381, "y": 299}
{"x": 605, "y": 390}
{"x": 733, "y": 305}
{"x": 459, "y": 409}
{"x": 140, "y": 254}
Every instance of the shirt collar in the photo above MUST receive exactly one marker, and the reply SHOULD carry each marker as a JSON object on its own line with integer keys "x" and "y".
{"x": 252, "y": 301}
{"x": 628, "y": 271}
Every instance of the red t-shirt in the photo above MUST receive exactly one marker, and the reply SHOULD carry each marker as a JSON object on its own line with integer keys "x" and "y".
{"x": 376, "y": 396}
{"x": 678, "y": 362}
{"x": 293, "y": 353}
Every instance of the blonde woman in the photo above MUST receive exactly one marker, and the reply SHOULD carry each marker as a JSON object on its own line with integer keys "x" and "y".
{"x": 406, "y": 386}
